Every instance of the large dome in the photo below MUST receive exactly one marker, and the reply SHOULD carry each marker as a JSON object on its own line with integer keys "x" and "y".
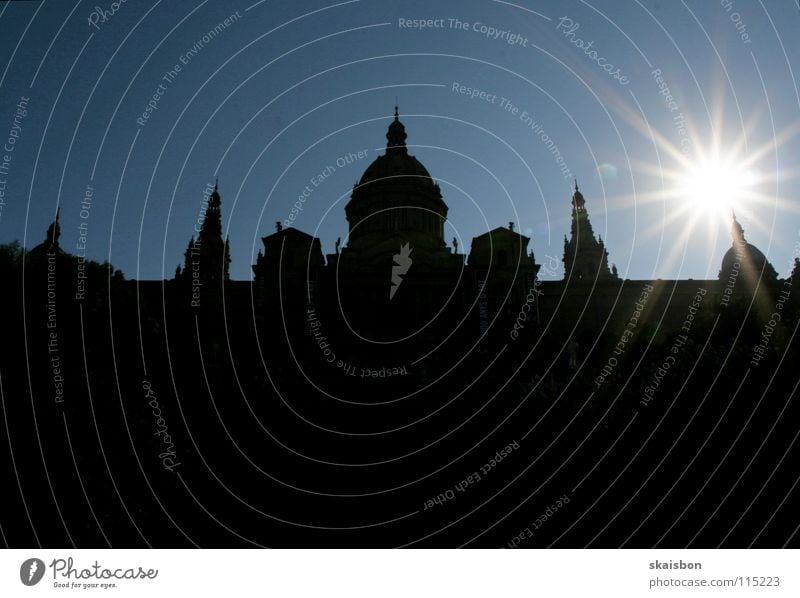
{"x": 398, "y": 164}
{"x": 396, "y": 198}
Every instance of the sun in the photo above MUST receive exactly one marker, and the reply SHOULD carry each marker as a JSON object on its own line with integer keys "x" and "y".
{"x": 715, "y": 187}
{"x": 698, "y": 187}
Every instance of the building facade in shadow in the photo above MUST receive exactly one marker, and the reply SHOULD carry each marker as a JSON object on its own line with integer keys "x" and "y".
{"x": 362, "y": 397}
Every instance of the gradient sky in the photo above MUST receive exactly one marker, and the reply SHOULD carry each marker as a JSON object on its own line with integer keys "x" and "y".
{"x": 290, "y": 87}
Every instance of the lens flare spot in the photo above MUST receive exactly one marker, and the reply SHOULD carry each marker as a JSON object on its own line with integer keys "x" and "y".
{"x": 607, "y": 171}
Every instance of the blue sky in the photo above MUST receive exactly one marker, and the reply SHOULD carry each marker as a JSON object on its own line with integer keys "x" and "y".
{"x": 288, "y": 90}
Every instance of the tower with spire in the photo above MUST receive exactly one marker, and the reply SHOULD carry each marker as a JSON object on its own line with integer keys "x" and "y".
{"x": 207, "y": 257}
{"x": 585, "y": 257}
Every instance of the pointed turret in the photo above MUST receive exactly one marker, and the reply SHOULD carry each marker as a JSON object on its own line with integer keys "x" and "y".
{"x": 585, "y": 257}
{"x": 49, "y": 246}
{"x": 737, "y": 232}
{"x": 207, "y": 258}
{"x": 54, "y": 231}
{"x": 212, "y": 225}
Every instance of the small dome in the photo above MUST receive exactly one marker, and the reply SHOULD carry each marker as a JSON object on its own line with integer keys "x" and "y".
{"x": 747, "y": 259}
{"x": 744, "y": 257}
{"x": 397, "y": 162}
{"x": 577, "y": 198}
{"x": 396, "y": 135}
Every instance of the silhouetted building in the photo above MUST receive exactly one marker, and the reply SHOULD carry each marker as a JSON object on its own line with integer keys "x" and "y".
{"x": 334, "y": 391}
{"x": 395, "y": 278}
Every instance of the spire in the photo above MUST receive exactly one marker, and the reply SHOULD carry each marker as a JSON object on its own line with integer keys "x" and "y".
{"x": 578, "y": 203}
{"x": 585, "y": 256}
{"x": 214, "y": 200}
{"x": 396, "y": 135}
{"x": 212, "y": 223}
{"x": 54, "y": 230}
{"x": 208, "y": 255}
{"x": 737, "y": 232}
